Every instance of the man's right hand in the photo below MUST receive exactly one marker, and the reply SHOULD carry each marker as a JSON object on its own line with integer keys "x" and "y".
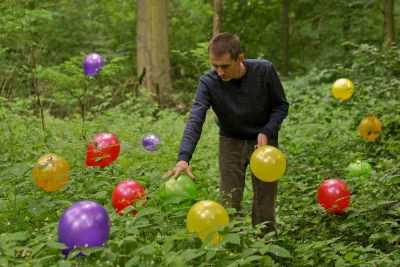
{"x": 181, "y": 166}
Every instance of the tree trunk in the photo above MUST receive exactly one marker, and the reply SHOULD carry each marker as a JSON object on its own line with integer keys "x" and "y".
{"x": 152, "y": 49}
{"x": 160, "y": 52}
{"x": 143, "y": 24}
{"x": 389, "y": 21}
{"x": 217, "y": 7}
{"x": 285, "y": 38}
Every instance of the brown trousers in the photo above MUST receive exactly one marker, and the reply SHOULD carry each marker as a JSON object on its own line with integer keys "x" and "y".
{"x": 234, "y": 157}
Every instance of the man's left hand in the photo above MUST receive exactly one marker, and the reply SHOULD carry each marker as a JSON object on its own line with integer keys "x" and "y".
{"x": 262, "y": 140}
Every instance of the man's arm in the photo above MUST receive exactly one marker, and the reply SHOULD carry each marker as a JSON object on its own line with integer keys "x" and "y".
{"x": 192, "y": 132}
{"x": 278, "y": 102}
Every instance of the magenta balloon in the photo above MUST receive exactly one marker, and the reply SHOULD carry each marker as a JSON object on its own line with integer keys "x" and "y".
{"x": 92, "y": 64}
{"x": 151, "y": 141}
{"x": 84, "y": 224}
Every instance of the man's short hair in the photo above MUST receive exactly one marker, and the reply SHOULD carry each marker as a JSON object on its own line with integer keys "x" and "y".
{"x": 224, "y": 43}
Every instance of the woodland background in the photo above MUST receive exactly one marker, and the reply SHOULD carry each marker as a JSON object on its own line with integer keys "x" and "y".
{"x": 160, "y": 45}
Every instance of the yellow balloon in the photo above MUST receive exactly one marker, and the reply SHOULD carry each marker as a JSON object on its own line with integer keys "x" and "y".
{"x": 204, "y": 217}
{"x": 268, "y": 163}
{"x": 342, "y": 89}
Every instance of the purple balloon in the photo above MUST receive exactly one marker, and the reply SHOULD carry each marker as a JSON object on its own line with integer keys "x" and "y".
{"x": 92, "y": 64}
{"x": 84, "y": 224}
{"x": 151, "y": 141}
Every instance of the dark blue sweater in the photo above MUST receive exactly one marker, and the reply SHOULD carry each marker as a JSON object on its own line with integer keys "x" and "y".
{"x": 245, "y": 107}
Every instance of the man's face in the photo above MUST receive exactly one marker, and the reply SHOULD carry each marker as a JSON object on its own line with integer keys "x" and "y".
{"x": 226, "y": 67}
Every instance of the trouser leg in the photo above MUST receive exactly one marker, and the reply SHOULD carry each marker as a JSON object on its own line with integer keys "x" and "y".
{"x": 232, "y": 168}
{"x": 264, "y": 201}
{"x": 233, "y": 157}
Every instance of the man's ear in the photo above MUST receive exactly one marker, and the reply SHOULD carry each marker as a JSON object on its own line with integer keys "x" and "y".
{"x": 241, "y": 57}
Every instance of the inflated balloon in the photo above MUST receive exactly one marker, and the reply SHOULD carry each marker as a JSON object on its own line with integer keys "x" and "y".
{"x": 359, "y": 168}
{"x": 178, "y": 192}
{"x": 204, "y": 217}
{"x": 92, "y": 64}
{"x": 370, "y": 127}
{"x": 342, "y": 89}
{"x": 333, "y": 195}
{"x": 83, "y": 224}
{"x": 51, "y": 172}
{"x": 151, "y": 141}
{"x": 268, "y": 163}
{"x": 126, "y": 193}
{"x": 102, "y": 150}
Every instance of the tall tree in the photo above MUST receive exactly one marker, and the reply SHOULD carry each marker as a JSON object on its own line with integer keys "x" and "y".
{"x": 217, "y": 7}
{"x": 389, "y": 21}
{"x": 152, "y": 48}
{"x": 285, "y": 38}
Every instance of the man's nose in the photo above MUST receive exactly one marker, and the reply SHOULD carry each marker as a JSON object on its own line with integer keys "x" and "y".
{"x": 220, "y": 71}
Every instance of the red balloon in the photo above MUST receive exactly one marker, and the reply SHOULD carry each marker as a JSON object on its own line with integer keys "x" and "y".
{"x": 126, "y": 193}
{"x": 102, "y": 150}
{"x": 334, "y": 195}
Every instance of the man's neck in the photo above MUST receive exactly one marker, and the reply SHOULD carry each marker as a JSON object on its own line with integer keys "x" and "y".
{"x": 243, "y": 70}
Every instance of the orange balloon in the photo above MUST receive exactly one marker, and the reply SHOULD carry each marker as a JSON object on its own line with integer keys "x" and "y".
{"x": 51, "y": 172}
{"x": 370, "y": 127}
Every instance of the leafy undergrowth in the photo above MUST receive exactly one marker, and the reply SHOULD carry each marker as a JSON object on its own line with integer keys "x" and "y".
{"x": 319, "y": 138}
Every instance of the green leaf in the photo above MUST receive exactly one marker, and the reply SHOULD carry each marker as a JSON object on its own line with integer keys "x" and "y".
{"x": 56, "y": 245}
{"x": 36, "y": 249}
{"x": 100, "y": 194}
{"x": 253, "y": 258}
{"x": 349, "y": 256}
{"x": 132, "y": 230}
{"x": 387, "y": 202}
{"x": 340, "y": 262}
{"x": 19, "y": 236}
{"x": 3, "y": 261}
{"x": 377, "y": 236}
{"x": 232, "y": 238}
{"x": 267, "y": 261}
{"x": 258, "y": 244}
{"x": 279, "y": 251}
{"x": 145, "y": 212}
{"x": 393, "y": 238}
{"x": 189, "y": 255}
{"x": 73, "y": 253}
{"x": 64, "y": 264}
{"x": 248, "y": 251}
{"x": 303, "y": 248}
{"x": 146, "y": 250}
{"x": 210, "y": 255}
{"x": 130, "y": 238}
{"x": 91, "y": 250}
{"x": 133, "y": 261}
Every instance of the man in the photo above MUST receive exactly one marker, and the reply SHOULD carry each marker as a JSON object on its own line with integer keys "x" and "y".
{"x": 250, "y": 103}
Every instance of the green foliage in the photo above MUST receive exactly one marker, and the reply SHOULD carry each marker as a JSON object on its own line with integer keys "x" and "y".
{"x": 200, "y": 64}
{"x": 319, "y": 138}
{"x": 72, "y": 89}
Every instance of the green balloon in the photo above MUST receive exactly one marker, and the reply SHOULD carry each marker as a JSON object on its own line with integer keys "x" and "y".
{"x": 359, "y": 168}
{"x": 178, "y": 193}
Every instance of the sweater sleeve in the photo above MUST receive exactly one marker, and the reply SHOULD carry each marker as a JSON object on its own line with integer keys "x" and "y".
{"x": 194, "y": 125}
{"x": 278, "y": 102}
